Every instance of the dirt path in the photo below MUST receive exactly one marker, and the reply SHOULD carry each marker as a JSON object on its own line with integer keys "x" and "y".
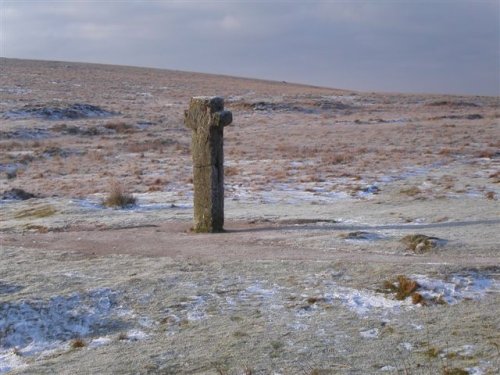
{"x": 248, "y": 242}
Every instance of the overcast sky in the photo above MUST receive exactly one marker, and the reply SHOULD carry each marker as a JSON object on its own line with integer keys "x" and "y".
{"x": 435, "y": 46}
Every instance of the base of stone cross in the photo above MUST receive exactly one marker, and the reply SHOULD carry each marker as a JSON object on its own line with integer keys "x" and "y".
{"x": 206, "y": 118}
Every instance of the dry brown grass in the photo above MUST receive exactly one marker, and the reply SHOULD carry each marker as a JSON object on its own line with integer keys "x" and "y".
{"x": 278, "y": 175}
{"x": 330, "y": 144}
{"x": 156, "y": 185}
{"x": 37, "y": 228}
{"x": 11, "y": 145}
{"x": 419, "y": 243}
{"x": 118, "y": 198}
{"x": 231, "y": 171}
{"x": 455, "y": 371}
{"x": 156, "y": 145}
{"x": 432, "y": 352}
{"x": 446, "y": 151}
{"x": 330, "y": 139}
{"x": 411, "y": 191}
{"x": 486, "y": 153}
{"x": 313, "y": 300}
{"x": 403, "y": 287}
{"x": 417, "y": 298}
{"x": 338, "y": 158}
{"x": 447, "y": 182}
{"x": 77, "y": 343}
{"x": 490, "y": 195}
{"x": 120, "y": 127}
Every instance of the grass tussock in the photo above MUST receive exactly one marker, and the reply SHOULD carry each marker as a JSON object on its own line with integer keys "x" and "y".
{"x": 419, "y": 243}
{"x": 313, "y": 300}
{"x": 490, "y": 195}
{"x": 240, "y": 334}
{"x": 417, "y": 298}
{"x": 495, "y": 176}
{"x": 338, "y": 158}
{"x": 432, "y": 352}
{"x": 488, "y": 154}
{"x": 118, "y": 198}
{"x": 411, "y": 191}
{"x": 36, "y": 228}
{"x": 276, "y": 349}
{"x": 156, "y": 185}
{"x": 119, "y": 127}
{"x": 403, "y": 287}
{"x": 77, "y": 344}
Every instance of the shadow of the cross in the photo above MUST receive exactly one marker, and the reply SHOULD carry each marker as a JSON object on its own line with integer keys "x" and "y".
{"x": 321, "y": 226}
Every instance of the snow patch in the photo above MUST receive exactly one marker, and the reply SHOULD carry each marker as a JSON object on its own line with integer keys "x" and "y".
{"x": 458, "y": 288}
{"x": 370, "y": 334}
{"x": 363, "y": 302}
{"x": 417, "y": 327}
{"x": 259, "y": 290}
{"x": 136, "y": 335}
{"x": 298, "y": 326}
{"x": 258, "y": 295}
{"x": 475, "y": 371}
{"x": 34, "y": 327}
{"x": 287, "y": 193}
{"x": 197, "y": 309}
{"x": 10, "y": 360}
{"x": 405, "y": 346}
{"x": 100, "y": 341}
{"x": 15, "y": 90}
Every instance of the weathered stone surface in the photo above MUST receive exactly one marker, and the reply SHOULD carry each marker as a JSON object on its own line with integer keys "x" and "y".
{"x": 206, "y": 118}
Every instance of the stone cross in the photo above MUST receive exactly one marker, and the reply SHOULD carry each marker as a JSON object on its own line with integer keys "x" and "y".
{"x": 206, "y": 118}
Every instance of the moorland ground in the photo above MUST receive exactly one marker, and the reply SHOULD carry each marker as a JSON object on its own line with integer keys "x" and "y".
{"x": 326, "y": 193}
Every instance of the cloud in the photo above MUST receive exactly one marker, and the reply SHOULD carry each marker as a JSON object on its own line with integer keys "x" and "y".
{"x": 229, "y": 23}
{"x": 432, "y": 46}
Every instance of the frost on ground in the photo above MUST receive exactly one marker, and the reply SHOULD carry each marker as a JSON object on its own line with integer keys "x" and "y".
{"x": 182, "y": 298}
{"x": 321, "y": 185}
{"x": 58, "y": 111}
{"x": 457, "y": 288}
{"x": 33, "y": 327}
